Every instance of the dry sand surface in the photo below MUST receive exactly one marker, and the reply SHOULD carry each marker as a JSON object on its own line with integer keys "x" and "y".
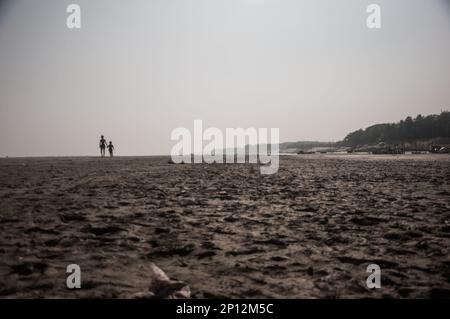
{"x": 308, "y": 231}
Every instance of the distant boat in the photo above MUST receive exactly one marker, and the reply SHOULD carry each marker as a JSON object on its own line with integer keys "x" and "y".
{"x": 437, "y": 149}
{"x": 305, "y": 152}
{"x": 387, "y": 152}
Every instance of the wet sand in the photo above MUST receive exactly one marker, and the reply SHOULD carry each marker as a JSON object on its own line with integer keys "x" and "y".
{"x": 307, "y": 232}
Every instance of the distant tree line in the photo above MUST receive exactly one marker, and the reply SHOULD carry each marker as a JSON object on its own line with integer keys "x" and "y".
{"x": 407, "y": 130}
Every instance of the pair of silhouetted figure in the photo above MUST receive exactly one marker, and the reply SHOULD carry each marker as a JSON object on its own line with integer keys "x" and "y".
{"x": 104, "y": 146}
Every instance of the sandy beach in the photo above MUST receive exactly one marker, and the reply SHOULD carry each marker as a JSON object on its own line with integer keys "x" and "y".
{"x": 307, "y": 232}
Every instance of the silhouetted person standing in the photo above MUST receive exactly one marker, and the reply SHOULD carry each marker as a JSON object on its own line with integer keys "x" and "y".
{"x": 110, "y": 149}
{"x": 102, "y": 146}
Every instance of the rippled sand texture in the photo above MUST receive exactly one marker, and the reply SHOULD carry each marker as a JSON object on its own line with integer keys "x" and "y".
{"x": 308, "y": 231}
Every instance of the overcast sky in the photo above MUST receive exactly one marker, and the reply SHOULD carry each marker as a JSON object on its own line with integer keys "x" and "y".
{"x": 138, "y": 69}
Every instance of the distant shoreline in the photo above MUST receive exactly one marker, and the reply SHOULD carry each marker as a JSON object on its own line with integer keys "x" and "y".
{"x": 329, "y": 154}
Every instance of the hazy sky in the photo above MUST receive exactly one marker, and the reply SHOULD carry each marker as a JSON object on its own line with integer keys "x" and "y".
{"x": 138, "y": 69}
